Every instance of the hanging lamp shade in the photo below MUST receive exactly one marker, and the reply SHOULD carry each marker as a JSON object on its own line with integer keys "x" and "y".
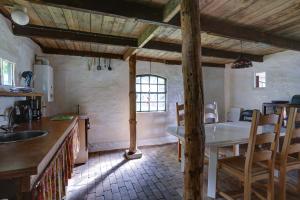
{"x": 242, "y": 62}
{"x": 19, "y": 15}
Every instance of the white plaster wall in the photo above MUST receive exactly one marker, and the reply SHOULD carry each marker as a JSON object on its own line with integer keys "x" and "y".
{"x": 282, "y": 76}
{"x": 213, "y": 84}
{"x": 103, "y": 95}
{"x": 19, "y": 50}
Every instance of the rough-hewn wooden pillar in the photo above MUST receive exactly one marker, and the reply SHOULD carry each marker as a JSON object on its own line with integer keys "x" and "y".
{"x": 132, "y": 103}
{"x": 133, "y": 152}
{"x": 193, "y": 100}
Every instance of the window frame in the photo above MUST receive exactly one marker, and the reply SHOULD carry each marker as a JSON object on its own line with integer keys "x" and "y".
{"x": 157, "y": 93}
{"x": 2, "y": 60}
{"x": 264, "y": 83}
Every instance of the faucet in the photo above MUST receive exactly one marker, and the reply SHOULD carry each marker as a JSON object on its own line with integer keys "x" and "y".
{"x": 10, "y": 125}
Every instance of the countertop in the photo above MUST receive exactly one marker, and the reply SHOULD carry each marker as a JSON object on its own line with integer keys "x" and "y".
{"x": 29, "y": 158}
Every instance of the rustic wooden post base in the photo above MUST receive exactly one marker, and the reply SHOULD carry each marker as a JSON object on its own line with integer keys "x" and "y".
{"x": 130, "y": 156}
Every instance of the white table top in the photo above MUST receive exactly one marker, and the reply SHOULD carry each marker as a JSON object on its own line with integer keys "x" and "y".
{"x": 220, "y": 134}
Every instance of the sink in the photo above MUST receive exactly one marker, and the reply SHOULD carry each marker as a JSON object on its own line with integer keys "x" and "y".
{"x": 21, "y": 136}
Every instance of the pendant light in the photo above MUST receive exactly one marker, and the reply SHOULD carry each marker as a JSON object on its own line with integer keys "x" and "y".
{"x": 19, "y": 15}
{"x": 242, "y": 61}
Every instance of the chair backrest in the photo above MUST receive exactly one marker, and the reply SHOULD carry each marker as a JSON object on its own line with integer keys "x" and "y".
{"x": 211, "y": 113}
{"x": 262, "y": 146}
{"x": 291, "y": 142}
{"x": 180, "y": 114}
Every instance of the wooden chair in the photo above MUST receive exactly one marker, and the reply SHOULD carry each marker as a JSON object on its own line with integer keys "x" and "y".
{"x": 286, "y": 159}
{"x": 251, "y": 167}
{"x": 180, "y": 122}
{"x": 211, "y": 113}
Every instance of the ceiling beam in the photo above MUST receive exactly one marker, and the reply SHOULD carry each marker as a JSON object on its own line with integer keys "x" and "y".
{"x": 64, "y": 34}
{"x": 219, "y": 27}
{"x": 207, "y": 52}
{"x": 169, "y": 11}
{"x": 117, "y": 8}
{"x": 155, "y": 15}
{"x": 118, "y": 56}
{"x": 81, "y": 53}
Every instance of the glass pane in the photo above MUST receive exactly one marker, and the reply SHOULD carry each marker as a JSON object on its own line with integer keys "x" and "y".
{"x": 144, "y": 106}
{"x": 161, "y": 81}
{"x": 138, "y": 97}
{"x": 138, "y": 79}
{"x": 161, "y": 88}
{"x": 137, "y": 87}
{"x": 7, "y": 73}
{"x": 138, "y": 107}
{"x": 153, "y": 80}
{"x": 161, "y": 97}
{"x": 153, "y": 106}
{"x": 153, "y": 88}
{"x": 145, "y": 79}
{"x": 145, "y": 88}
{"x": 161, "y": 106}
{"x": 153, "y": 97}
{"x": 145, "y": 98}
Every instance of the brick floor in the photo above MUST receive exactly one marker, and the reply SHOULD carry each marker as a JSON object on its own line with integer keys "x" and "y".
{"x": 108, "y": 176}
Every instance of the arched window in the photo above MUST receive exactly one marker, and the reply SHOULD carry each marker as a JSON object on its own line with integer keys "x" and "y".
{"x": 151, "y": 93}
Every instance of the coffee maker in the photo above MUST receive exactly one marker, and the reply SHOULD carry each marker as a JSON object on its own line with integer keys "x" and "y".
{"x": 22, "y": 111}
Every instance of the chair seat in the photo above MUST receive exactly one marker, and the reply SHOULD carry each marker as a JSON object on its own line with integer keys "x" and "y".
{"x": 236, "y": 166}
{"x": 292, "y": 163}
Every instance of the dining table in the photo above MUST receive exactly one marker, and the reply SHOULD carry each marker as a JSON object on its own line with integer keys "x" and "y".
{"x": 217, "y": 135}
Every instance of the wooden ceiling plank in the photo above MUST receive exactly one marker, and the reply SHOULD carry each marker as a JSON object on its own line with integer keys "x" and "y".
{"x": 75, "y": 22}
{"x": 130, "y": 9}
{"x": 130, "y": 27}
{"x": 259, "y": 11}
{"x": 154, "y": 15}
{"x": 58, "y": 17}
{"x": 228, "y": 29}
{"x": 107, "y": 24}
{"x": 71, "y": 23}
{"x": 96, "y": 23}
{"x": 44, "y": 14}
{"x": 169, "y": 11}
{"x": 70, "y": 44}
{"x": 118, "y": 26}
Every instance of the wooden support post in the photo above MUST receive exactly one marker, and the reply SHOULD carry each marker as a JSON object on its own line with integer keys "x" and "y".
{"x": 193, "y": 100}
{"x": 133, "y": 152}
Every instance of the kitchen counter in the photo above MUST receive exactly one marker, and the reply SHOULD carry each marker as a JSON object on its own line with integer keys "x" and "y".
{"x": 29, "y": 158}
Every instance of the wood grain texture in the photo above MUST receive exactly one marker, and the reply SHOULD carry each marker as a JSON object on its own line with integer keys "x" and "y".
{"x": 193, "y": 100}
{"x": 132, "y": 103}
{"x": 28, "y": 158}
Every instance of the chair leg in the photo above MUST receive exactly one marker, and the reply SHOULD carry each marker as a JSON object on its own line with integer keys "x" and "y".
{"x": 282, "y": 184}
{"x": 179, "y": 150}
{"x": 247, "y": 190}
{"x": 270, "y": 187}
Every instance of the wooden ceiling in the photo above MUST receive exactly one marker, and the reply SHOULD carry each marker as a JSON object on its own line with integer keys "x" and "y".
{"x": 278, "y": 18}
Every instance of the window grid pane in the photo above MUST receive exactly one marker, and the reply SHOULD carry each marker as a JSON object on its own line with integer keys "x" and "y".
{"x": 151, "y": 93}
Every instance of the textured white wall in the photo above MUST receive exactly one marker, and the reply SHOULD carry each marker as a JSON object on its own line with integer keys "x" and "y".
{"x": 213, "y": 83}
{"x": 103, "y": 95}
{"x": 19, "y": 50}
{"x": 282, "y": 76}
